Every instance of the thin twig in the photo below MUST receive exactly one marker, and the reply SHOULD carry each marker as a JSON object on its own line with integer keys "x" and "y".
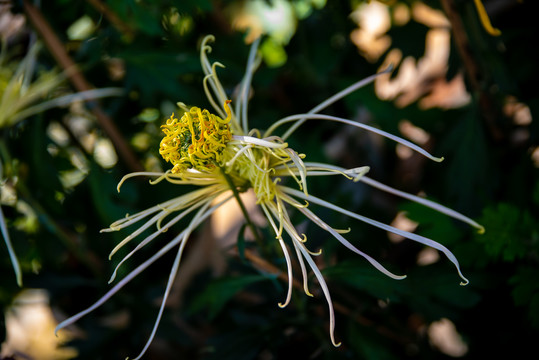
{"x": 471, "y": 67}
{"x": 113, "y": 18}
{"x": 58, "y": 51}
{"x": 462, "y": 42}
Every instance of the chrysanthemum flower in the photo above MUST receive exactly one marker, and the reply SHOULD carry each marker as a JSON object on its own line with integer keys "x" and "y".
{"x": 220, "y": 155}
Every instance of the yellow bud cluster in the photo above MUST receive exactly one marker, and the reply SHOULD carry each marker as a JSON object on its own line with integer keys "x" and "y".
{"x": 197, "y": 140}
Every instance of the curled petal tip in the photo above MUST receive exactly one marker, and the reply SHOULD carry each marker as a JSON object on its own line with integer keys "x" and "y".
{"x": 336, "y": 344}
{"x": 59, "y": 327}
{"x": 464, "y": 282}
{"x": 207, "y": 39}
{"x": 440, "y": 159}
{"x": 281, "y": 305}
{"x": 481, "y": 230}
{"x": 317, "y": 253}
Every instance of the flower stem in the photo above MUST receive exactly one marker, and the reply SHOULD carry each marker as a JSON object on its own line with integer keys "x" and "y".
{"x": 248, "y": 220}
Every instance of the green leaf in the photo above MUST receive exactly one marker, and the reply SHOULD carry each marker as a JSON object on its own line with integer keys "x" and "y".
{"x": 509, "y": 231}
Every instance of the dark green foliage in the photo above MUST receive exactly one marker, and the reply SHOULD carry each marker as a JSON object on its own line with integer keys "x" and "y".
{"x": 513, "y": 234}
{"x": 219, "y": 292}
{"x": 227, "y": 307}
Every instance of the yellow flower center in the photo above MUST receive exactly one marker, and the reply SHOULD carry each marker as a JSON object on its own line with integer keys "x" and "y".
{"x": 197, "y": 140}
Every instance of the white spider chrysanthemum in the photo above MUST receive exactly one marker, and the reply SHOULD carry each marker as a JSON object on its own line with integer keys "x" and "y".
{"x": 223, "y": 157}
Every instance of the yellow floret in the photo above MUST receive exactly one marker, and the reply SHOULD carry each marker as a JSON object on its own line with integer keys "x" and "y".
{"x": 197, "y": 140}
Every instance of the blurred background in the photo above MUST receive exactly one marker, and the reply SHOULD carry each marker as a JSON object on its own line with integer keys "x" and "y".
{"x": 85, "y": 86}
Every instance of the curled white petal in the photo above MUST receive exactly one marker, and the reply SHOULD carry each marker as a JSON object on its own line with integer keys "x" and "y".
{"x": 406, "y": 234}
{"x": 260, "y": 142}
{"x": 325, "y": 290}
{"x": 341, "y": 94}
{"x": 303, "y": 117}
{"x": 428, "y": 203}
{"x": 170, "y": 245}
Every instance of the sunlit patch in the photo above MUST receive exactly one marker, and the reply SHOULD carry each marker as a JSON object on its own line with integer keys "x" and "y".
{"x": 427, "y": 256}
{"x": 29, "y": 329}
{"x": 228, "y": 219}
{"x": 104, "y": 153}
{"x": 401, "y": 14}
{"x": 422, "y": 79}
{"x": 518, "y": 111}
{"x": 424, "y": 14}
{"x": 374, "y": 21}
{"x": 447, "y": 94}
{"x": 81, "y": 29}
{"x": 275, "y": 18}
{"x": 444, "y": 336}
{"x": 535, "y": 157}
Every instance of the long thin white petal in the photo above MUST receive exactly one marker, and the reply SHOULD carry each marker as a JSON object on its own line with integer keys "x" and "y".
{"x": 170, "y": 205}
{"x": 310, "y": 215}
{"x": 324, "y": 104}
{"x": 243, "y": 99}
{"x": 303, "y": 270}
{"x": 428, "y": 203}
{"x": 320, "y": 169}
{"x": 237, "y": 154}
{"x": 11, "y": 252}
{"x": 304, "y": 117}
{"x": 325, "y": 290}
{"x": 136, "y": 271}
{"x": 172, "y": 276}
{"x": 259, "y": 142}
{"x": 289, "y": 271}
{"x": 300, "y": 168}
{"x": 406, "y": 234}
{"x": 336, "y": 234}
{"x": 157, "y": 233}
{"x": 170, "y": 281}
